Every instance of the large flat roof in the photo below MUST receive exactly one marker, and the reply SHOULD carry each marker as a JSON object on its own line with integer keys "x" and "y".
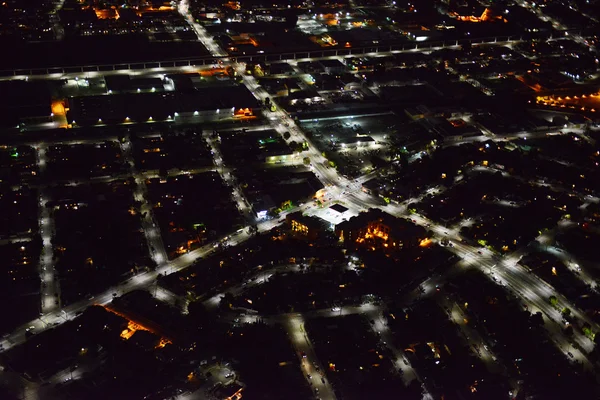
{"x": 158, "y": 105}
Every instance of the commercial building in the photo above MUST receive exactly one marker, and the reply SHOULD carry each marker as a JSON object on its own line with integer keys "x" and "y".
{"x": 376, "y": 229}
{"x": 210, "y": 103}
{"x": 306, "y": 226}
{"x": 24, "y": 103}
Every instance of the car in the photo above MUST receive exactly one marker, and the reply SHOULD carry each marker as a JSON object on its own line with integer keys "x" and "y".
{"x": 335, "y": 309}
{"x": 303, "y": 354}
{"x": 571, "y": 354}
{"x": 479, "y": 252}
{"x": 309, "y": 376}
{"x": 322, "y": 380}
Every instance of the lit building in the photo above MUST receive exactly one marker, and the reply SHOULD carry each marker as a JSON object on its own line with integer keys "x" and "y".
{"x": 487, "y": 16}
{"x": 305, "y": 226}
{"x": 376, "y": 229}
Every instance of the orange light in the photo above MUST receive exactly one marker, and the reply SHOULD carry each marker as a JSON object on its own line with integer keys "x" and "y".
{"x": 58, "y": 108}
{"x": 133, "y": 326}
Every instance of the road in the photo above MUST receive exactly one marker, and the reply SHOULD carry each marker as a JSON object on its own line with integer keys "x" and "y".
{"x": 380, "y": 327}
{"x": 50, "y": 290}
{"x": 242, "y": 203}
{"x": 534, "y": 292}
{"x": 308, "y": 358}
{"x": 478, "y": 345}
{"x": 507, "y": 272}
{"x": 140, "y": 194}
{"x": 140, "y": 281}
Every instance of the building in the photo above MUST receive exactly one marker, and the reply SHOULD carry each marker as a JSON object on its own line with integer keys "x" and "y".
{"x": 333, "y": 66}
{"x": 201, "y": 104}
{"x": 305, "y": 226}
{"x": 24, "y": 103}
{"x": 376, "y": 229}
{"x": 262, "y": 204}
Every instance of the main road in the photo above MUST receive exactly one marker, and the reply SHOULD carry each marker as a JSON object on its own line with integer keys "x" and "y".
{"x": 534, "y": 292}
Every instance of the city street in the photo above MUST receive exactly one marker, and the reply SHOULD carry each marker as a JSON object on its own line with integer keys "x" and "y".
{"x": 308, "y": 359}
{"x": 505, "y": 271}
{"x": 50, "y": 291}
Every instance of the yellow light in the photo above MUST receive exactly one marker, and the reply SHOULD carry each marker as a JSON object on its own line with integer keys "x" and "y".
{"x": 425, "y": 242}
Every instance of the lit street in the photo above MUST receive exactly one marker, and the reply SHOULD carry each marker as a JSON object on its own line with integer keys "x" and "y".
{"x": 370, "y": 141}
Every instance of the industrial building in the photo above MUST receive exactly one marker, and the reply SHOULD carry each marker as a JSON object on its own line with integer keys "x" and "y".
{"x": 210, "y": 103}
